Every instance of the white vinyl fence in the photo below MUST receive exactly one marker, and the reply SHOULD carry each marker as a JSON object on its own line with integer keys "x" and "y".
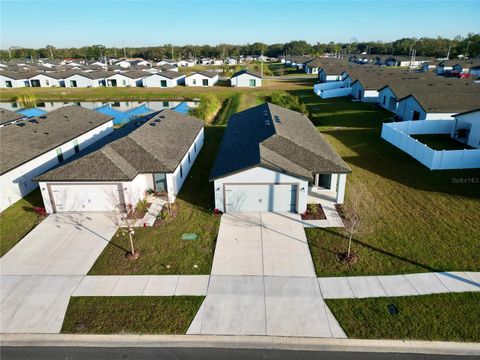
{"x": 398, "y": 134}
{"x": 331, "y": 93}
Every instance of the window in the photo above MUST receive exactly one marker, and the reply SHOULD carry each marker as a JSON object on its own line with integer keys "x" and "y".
{"x": 59, "y": 155}
{"x": 163, "y": 83}
{"x": 8, "y": 83}
{"x": 252, "y": 82}
{"x": 384, "y": 100}
{"x": 205, "y": 82}
{"x": 194, "y": 82}
{"x": 416, "y": 115}
{"x": 195, "y": 147}
{"x": 181, "y": 171}
{"x": 47, "y": 82}
{"x": 165, "y": 104}
{"x": 75, "y": 146}
{"x": 124, "y": 82}
{"x": 189, "y": 161}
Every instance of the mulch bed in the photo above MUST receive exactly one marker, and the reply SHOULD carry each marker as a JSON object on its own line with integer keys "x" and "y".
{"x": 135, "y": 214}
{"x": 317, "y": 215}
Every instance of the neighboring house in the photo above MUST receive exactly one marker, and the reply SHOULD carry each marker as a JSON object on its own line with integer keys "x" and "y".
{"x": 123, "y": 64}
{"x": 231, "y": 61}
{"x": 52, "y": 79}
{"x": 246, "y": 78}
{"x": 186, "y": 63}
{"x": 269, "y": 158}
{"x": 88, "y": 79}
{"x": 34, "y": 145}
{"x": 167, "y": 67}
{"x": 439, "y": 100}
{"x": 126, "y": 79}
{"x": 217, "y": 62}
{"x": 14, "y": 79}
{"x": 202, "y": 78}
{"x": 205, "y": 61}
{"x": 312, "y": 66}
{"x": 466, "y": 128}
{"x": 9, "y": 117}
{"x": 158, "y": 155}
{"x": 167, "y": 62}
{"x": 164, "y": 79}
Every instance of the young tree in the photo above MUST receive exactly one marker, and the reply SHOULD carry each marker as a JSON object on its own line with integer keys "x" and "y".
{"x": 353, "y": 224}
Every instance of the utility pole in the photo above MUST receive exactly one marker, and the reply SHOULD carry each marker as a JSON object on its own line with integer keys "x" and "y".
{"x": 448, "y": 53}
{"x": 466, "y": 51}
{"x": 261, "y": 64}
{"x": 172, "y": 50}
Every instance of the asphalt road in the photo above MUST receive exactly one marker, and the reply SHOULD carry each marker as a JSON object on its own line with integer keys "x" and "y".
{"x": 92, "y": 353}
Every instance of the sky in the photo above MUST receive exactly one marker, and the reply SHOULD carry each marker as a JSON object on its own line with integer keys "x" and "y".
{"x": 146, "y": 23}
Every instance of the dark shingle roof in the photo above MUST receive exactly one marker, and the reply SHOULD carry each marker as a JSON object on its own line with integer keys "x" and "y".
{"x": 315, "y": 63}
{"x": 210, "y": 74}
{"x": 44, "y": 133}
{"x": 271, "y": 136}
{"x": 19, "y": 75}
{"x": 158, "y": 146}
{"x": 96, "y": 74}
{"x": 249, "y": 72}
{"x": 7, "y": 116}
{"x": 169, "y": 74}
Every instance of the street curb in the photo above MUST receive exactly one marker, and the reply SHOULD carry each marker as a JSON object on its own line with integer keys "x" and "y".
{"x": 243, "y": 342}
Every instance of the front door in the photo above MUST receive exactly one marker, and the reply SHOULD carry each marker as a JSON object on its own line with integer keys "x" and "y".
{"x": 112, "y": 83}
{"x": 35, "y": 83}
{"x": 73, "y": 83}
{"x": 160, "y": 181}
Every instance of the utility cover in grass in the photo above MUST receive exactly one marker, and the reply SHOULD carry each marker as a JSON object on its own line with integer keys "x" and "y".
{"x": 189, "y": 236}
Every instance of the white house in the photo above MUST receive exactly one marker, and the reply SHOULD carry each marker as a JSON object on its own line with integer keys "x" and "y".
{"x": 312, "y": 66}
{"x": 126, "y": 79}
{"x": 186, "y": 63}
{"x": 364, "y": 93}
{"x": 123, "y": 63}
{"x": 88, "y": 79}
{"x": 32, "y": 146}
{"x": 10, "y": 79}
{"x": 202, "y": 78}
{"x": 164, "y": 79}
{"x": 263, "y": 163}
{"x": 156, "y": 156}
{"x": 231, "y": 61}
{"x": 466, "y": 128}
{"x": 48, "y": 79}
{"x": 246, "y": 78}
{"x": 387, "y": 98}
{"x": 206, "y": 61}
{"x": 217, "y": 62}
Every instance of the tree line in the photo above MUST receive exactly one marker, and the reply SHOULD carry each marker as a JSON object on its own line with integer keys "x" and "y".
{"x": 436, "y": 47}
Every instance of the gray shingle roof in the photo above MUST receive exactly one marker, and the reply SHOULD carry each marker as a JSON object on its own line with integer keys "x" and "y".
{"x": 96, "y": 74}
{"x": 158, "y": 146}
{"x": 249, "y": 72}
{"x": 278, "y": 138}
{"x": 41, "y": 134}
{"x": 209, "y": 74}
{"x": 169, "y": 74}
{"x": 18, "y": 75}
{"x": 7, "y": 116}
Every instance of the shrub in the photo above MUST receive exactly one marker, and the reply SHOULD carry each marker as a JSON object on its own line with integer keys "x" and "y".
{"x": 142, "y": 205}
{"x": 208, "y": 107}
{"x": 289, "y": 101}
{"x": 27, "y": 100}
{"x": 312, "y": 208}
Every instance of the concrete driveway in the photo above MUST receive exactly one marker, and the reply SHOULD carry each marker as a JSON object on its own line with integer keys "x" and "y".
{"x": 270, "y": 244}
{"x": 41, "y": 272}
{"x": 263, "y": 281}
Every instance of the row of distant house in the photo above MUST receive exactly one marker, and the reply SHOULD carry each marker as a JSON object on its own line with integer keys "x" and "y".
{"x": 129, "y": 78}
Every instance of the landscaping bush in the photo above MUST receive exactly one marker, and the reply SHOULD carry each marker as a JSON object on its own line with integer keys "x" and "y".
{"x": 289, "y": 101}
{"x": 208, "y": 107}
{"x": 26, "y": 100}
{"x": 142, "y": 205}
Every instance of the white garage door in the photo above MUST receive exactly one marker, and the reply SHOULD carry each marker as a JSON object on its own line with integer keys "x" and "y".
{"x": 264, "y": 197}
{"x": 92, "y": 197}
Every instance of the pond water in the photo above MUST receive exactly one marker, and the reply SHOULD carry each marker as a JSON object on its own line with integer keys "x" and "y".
{"x": 121, "y": 111}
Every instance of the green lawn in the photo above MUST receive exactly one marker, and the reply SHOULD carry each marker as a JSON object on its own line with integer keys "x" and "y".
{"x": 414, "y": 219}
{"x": 130, "y": 314}
{"x": 162, "y": 250}
{"x": 444, "y": 317}
{"x": 17, "y": 220}
{"x": 440, "y": 142}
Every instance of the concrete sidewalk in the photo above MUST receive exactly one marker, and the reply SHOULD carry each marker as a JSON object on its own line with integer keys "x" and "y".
{"x": 398, "y": 285}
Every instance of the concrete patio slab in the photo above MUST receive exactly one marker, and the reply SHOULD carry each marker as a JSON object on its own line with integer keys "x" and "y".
{"x": 131, "y": 285}
{"x": 335, "y": 288}
{"x": 397, "y": 285}
{"x": 294, "y": 307}
{"x": 285, "y": 247}
{"x": 62, "y": 244}
{"x": 192, "y": 285}
{"x": 426, "y": 283}
{"x": 238, "y": 250}
{"x": 457, "y": 281}
{"x": 39, "y": 306}
{"x": 235, "y": 305}
{"x": 162, "y": 285}
{"x": 97, "y": 285}
{"x": 366, "y": 286}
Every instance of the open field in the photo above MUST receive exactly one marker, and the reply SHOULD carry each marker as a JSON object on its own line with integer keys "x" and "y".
{"x": 17, "y": 220}
{"x": 130, "y": 314}
{"x": 441, "y": 142}
{"x": 145, "y": 94}
{"x": 442, "y": 317}
{"x": 413, "y": 219}
{"x": 162, "y": 249}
